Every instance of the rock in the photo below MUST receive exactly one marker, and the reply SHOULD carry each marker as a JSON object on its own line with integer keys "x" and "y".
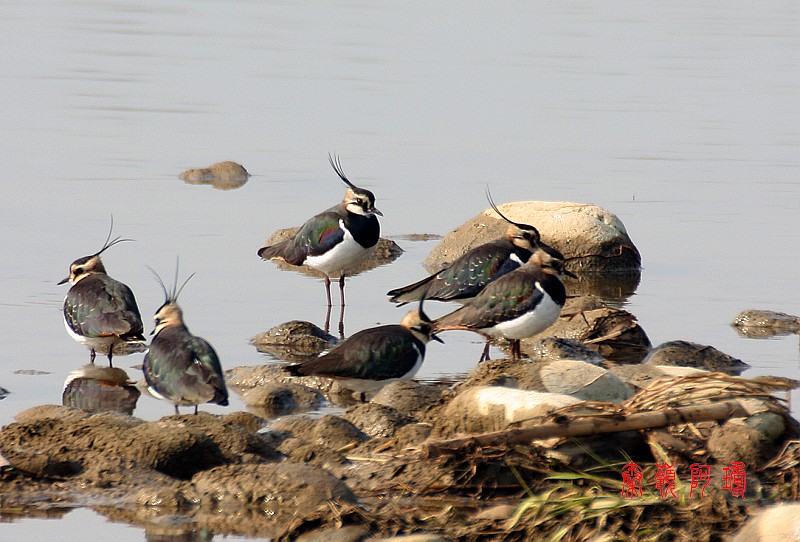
{"x": 583, "y": 381}
{"x": 689, "y": 354}
{"x": 328, "y": 431}
{"x": 577, "y": 378}
{"x": 408, "y": 397}
{"x": 246, "y": 420}
{"x": 277, "y": 399}
{"x": 233, "y": 440}
{"x": 283, "y": 491}
{"x": 222, "y": 175}
{"x": 591, "y": 238}
{"x": 46, "y": 412}
{"x": 243, "y": 379}
{"x": 638, "y": 377}
{"x": 411, "y": 435}
{"x": 614, "y": 334}
{"x": 554, "y": 348}
{"x": 296, "y": 340}
{"x": 737, "y": 441}
{"x": 777, "y": 522}
{"x": 104, "y": 446}
{"x": 491, "y": 408}
{"x": 376, "y": 420}
{"x": 385, "y": 252}
{"x": 760, "y": 324}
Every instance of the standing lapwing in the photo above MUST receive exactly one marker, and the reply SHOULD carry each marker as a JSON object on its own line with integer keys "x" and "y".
{"x": 101, "y": 312}
{"x": 371, "y": 358}
{"x": 519, "y": 304}
{"x": 471, "y": 272}
{"x": 180, "y": 367}
{"x": 333, "y": 241}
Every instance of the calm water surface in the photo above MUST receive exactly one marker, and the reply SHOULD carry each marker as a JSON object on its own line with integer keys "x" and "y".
{"x": 683, "y": 119}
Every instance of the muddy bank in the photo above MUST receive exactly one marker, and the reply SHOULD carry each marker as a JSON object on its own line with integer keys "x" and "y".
{"x": 401, "y": 464}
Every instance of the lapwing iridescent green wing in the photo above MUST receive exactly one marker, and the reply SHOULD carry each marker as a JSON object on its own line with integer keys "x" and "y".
{"x": 468, "y": 274}
{"x": 519, "y": 304}
{"x": 101, "y": 312}
{"x": 180, "y": 367}
{"x": 371, "y": 358}
{"x": 335, "y": 240}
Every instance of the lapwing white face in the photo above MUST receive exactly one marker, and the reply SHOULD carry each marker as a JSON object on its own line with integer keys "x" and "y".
{"x": 360, "y": 202}
{"x": 83, "y": 267}
{"x": 523, "y": 238}
{"x": 169, "y": 314}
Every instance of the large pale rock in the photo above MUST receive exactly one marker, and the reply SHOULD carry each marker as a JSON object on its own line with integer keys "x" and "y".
{"x": 491, "y": 408}
{"x": 583, "y": 381}
{"x": 778, "y": 522}
{"x": 579, "y": 379}
{"x": 590, "y": 237}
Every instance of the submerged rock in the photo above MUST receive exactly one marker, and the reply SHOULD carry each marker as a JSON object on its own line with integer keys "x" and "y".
{"x": 689, "y": 354}
{"x": 222, "y": 175}
{"x": 760, "y": 324}
{"x": 277, "y": 399}
{"x": 296, "y": 340}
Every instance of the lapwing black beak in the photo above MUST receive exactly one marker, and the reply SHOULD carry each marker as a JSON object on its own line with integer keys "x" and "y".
{"x": 64, "y": 281}
{"x": 435, "y": 337}
{"x": 376, "y": 212}
{"x": 569, "y": 273}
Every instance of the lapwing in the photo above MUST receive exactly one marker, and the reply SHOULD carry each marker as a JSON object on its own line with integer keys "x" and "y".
{"x": 101, "y": 312}
{"x": 519, "y": 304}
{"x": 335, "y": 240}
{"x": 471, "y": 272}
{"x": 374, "y": 357}
{"x": 180, "y": 367}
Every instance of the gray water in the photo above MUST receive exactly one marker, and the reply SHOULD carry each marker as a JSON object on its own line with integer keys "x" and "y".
{"x": 681, "y": 118}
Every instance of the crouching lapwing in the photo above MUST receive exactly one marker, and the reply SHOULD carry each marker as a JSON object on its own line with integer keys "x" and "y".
{"x": 374, "y": 357}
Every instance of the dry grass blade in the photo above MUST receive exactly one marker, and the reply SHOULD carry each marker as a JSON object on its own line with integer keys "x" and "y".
{"x": 698, "y": 389}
